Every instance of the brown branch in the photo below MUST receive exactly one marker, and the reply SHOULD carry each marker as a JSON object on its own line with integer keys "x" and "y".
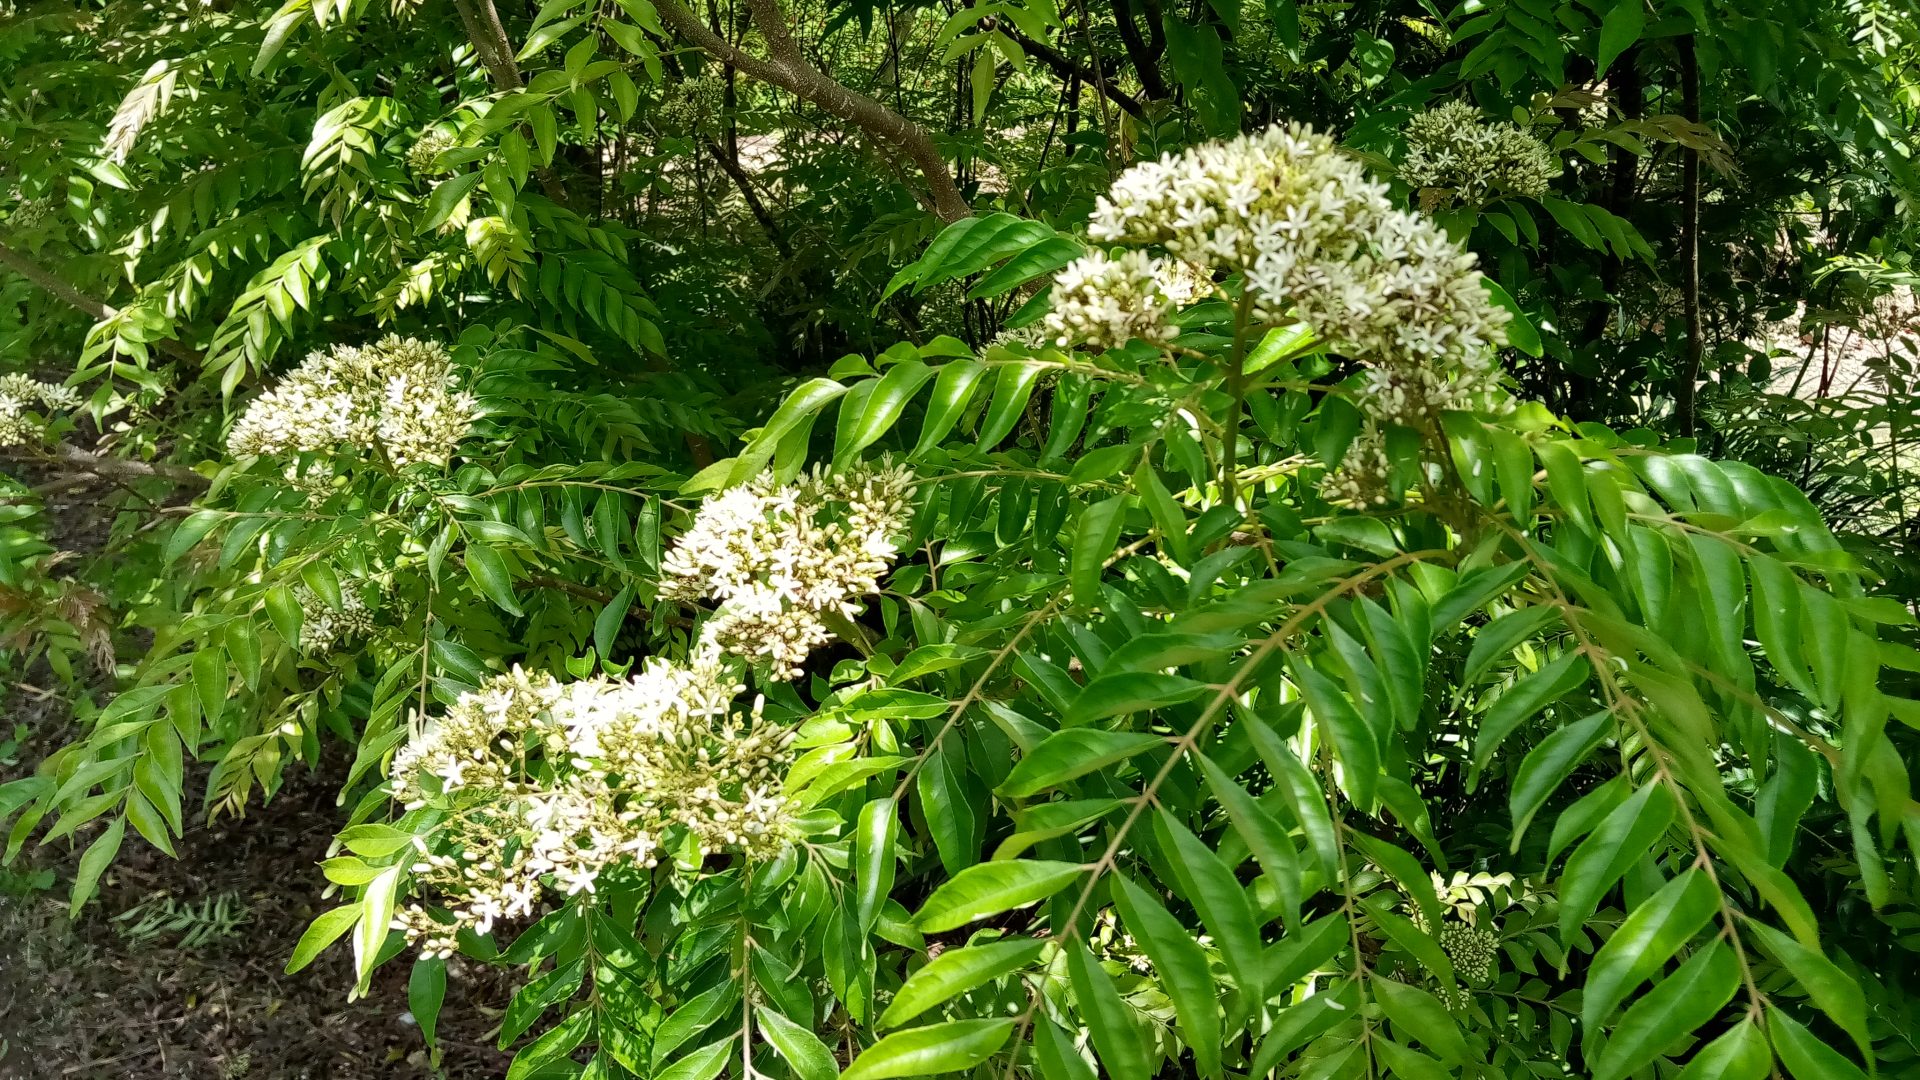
{"x": 1145, "y": 60}
{"x": 1685, "y": 395}
{"x": 112, "y": 468}
{"x": 1068, "y": 68}
{"x": 489, "y": 37}
{"x": 98, "y": 310}
{"x": 745, "y": 183}
{"x": 54, "y": 284}
{"x": 788, "y": 68}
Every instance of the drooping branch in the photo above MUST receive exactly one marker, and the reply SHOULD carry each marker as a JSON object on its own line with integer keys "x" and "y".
{"x": 787, "y": 67}
{"x": 745, "y": 185}
{"x": 62, "y": 290}
{"x": 1068, "y": 68}
{"x": 55, "y": 284}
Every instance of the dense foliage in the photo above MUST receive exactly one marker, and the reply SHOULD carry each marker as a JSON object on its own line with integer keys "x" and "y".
{"x": 1300, "y": 539}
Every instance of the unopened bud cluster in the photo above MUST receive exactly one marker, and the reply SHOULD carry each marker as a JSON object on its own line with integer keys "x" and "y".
{"x": 1364, "y": 478}
{"x": 1471, "y": 950}
{"x": 398, "y": 398}
{"x": 1316, "y": 240}
{"x": 783, "y": 560}
{"x": 323, "y": 627}
{"x": 423, "y": 158}
{"x": 545, "y": 784}
{"x": 1454, "y": 152}
{"x": 19, "y": 394}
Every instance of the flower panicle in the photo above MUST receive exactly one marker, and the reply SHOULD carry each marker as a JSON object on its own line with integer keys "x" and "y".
{"x": 399, "y": 397}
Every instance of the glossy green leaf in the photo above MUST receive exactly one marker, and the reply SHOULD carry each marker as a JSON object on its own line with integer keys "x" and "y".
{"x": 1652, "y": 933}
{"x": 802, "y": 1049}
{"x": 1182, "y": 965}
{"x": 954, "y": 1046}
{"x": 991, "y": 888}
{"x": 956, "y": 971}
{"x": 1069, "y": 754}
{"x": 1682, "y": 1002}
{"x": 1116, "y": 1035}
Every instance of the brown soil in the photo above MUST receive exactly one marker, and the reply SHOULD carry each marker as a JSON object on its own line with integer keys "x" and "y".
{"x": 90, "y": 999}
{"x": 94, "y": 998}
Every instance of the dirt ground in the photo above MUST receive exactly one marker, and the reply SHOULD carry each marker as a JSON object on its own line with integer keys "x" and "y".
{"x": 133, "y": 990}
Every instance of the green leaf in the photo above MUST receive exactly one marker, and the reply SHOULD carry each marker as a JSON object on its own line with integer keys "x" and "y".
{"x": 1521, "y": 333}
{"x": 1622, "y": 839}
{"x": 1838, "y": 994}
{"x": 1525, "y": 698}
{"x": 703, "y": 1063}
{"x": 809, "y": 1057}
{"x": 1420, "y": 1015}
{"x": 1649, "y": 937}
{"x": 326, "y": 928}
{"x": 1681, "y": 1003}
{"x": 1740, "y": 1054}
{"x": 952, "y": 391}
{"x": 1127, "y": 692}
{"x": 1264, "y": 836}
{"x": 1548, "y": 765}
{"x": 884, "y": 405}
{"x": 489, "y": 572}
{"x": 1622, "y": 26}
{"x": 319, "y": 577}
{"x": 285, "y": 614}
{"x": 1056, "y": 1053}
{"x": 1354, "y": 740}
{"x": 1093, "y": 542}
{"x": 99, "y": 855}
{"x": 426, "y": 990}
{"x": 1805, "y": 1056}
{"x": 991, "y": 888}
{"x": 949, "y": 805}
{"x": 956, "y": 971}
{"x": 1011, "y": 390}
{"x": 1116, "y": 1037}
{"x": 1042, "y": 258}
{"x": 606, "y": 625}
{"x": 1182, "y": 965}
{"x": 929, "y": 659}
{"x": 1497, "y": 640}
{"x": 1069, "y": 754}
{"x": 446, "y": 196}
{"x": 1201, "y": 67}
{"x": 875, "y": 835}
{"x": 189, "y": 533}
{"x": 954, "y": 1046}
{"x": 1207, "y": 883}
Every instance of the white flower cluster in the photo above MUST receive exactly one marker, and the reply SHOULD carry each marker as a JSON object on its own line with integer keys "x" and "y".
{"x": 1472, "y": 951}
{"x": 423, "y": 158}
{"x": 1319, "y": 241}
{"x": 547, "y": 784}
{"x": 782, "y": 560}
{"x": 399, "y": 397}
{"x": 1453, "y": 151}
{"x": 322, "y": 628}
{"x": 1103, "y": 301}
{"x": 20, "y": 393}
